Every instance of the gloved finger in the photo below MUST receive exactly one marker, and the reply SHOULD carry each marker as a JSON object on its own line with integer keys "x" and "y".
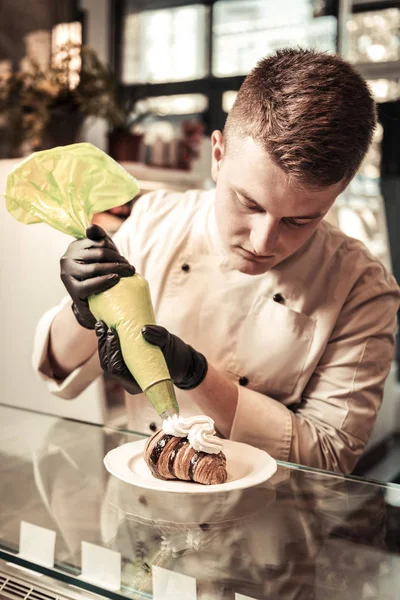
{"x": 96, "y": 285}
{"x": 103, "y": 243}
{"x": 95, "y": 233}
{"x": 78, "y": 246}
{"x": 157, "y": 335}
{"x": 101, "y": 329}
{"x": 116, "y": 363}
{"x": 101, "y": 332}
{"x": 95, "y": 255}
{"x": 86, "y": 244}
{"x": 83, "y": 271}
{"x": 96, "y": 236}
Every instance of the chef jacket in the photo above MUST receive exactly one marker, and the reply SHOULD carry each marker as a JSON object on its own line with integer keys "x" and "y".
{"x": 309, "y": 343}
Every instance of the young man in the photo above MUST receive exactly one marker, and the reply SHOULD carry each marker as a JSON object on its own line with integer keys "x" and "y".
{"x": 290, "y": 322}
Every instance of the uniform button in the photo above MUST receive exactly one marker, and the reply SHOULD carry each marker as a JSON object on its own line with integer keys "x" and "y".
{"x": 153, "y": 427}
{"x": 185, "y": 267}
{"x": 243, "y": 381}
{"x": 278, "y": 298}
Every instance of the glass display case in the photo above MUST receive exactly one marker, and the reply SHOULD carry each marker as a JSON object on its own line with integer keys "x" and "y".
{"x": 69, "y": 529}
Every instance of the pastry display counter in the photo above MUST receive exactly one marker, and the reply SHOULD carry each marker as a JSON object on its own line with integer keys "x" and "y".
{"x": 69, "y": 529}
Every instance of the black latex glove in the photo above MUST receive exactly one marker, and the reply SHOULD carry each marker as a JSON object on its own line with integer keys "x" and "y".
{"x": 90, "y": 266}
{"x": 187, "y": 367}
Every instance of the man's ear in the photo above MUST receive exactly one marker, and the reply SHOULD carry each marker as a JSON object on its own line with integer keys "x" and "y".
{"x": 217, "y": 145}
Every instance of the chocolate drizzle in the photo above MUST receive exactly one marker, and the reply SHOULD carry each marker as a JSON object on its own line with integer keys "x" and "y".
{"x": 156, "y": 453}
{"x": 173, "y": 454}
{"x": 194, "y": 462}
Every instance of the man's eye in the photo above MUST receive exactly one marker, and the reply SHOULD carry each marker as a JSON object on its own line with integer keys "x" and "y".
{"x": 294, "y": 223}
{"x": 246, "y": 203}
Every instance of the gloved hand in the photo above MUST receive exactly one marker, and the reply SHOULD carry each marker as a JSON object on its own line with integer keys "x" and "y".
{"x": 90, "y": 266}
{"x": 187, "y": 367}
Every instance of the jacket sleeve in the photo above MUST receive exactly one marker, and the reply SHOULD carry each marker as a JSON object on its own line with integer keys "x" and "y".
{"x": 79, "y": 379}
{"x": 338, "y": 408}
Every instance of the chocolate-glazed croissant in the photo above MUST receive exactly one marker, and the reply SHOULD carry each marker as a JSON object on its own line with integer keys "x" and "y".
{"x": 170, "y": 457}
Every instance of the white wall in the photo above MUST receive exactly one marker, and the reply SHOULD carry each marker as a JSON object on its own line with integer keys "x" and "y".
{"x": 30, "y": 282}
{"x": 29, "y": 285}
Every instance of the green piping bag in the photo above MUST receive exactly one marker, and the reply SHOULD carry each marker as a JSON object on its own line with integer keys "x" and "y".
{"x": 64, "y": 187}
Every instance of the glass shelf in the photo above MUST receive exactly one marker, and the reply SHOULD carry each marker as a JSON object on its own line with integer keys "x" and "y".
{"x": 302, "y": 532}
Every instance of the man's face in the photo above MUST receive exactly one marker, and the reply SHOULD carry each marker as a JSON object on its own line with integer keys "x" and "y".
{"x": 262, "y": 218}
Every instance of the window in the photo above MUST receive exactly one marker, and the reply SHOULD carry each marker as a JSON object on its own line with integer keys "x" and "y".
{"x": 244, "y": 32}
{"x": 160, "y": 45}
{"x": 207, "y": 47}
{"x": 175, "y": 104}
{"x": 385, "y": 90}
{"x": 228, "y": 99}
{"x": 374, "y": 36}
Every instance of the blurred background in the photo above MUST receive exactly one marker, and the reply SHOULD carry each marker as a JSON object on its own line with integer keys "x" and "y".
{"x": 148, "y": 81}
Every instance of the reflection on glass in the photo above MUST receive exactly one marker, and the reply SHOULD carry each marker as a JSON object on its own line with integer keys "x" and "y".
{"x": 244, "y": 32}
{"x": 303, "y": 534}
{"x": 385, "y": 90}
{"x": 374, "y": 36}
{"x": 176, "y": 104}
{"x": 160, "y": 45}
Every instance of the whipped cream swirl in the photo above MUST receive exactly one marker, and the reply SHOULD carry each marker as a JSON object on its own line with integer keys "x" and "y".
{"x": 199, "y": 430}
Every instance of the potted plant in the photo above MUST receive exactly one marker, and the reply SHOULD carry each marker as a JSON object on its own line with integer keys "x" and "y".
{"x": 42, "y": 109}
{"x": 125, "y": 139}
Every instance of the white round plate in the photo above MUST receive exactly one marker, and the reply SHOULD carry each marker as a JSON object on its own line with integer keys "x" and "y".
{"x": 247, "y": 466}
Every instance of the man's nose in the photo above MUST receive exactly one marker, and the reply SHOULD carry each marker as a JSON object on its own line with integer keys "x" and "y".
{"x": 264, "y": 235}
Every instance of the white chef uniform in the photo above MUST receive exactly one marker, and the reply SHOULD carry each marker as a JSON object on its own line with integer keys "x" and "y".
{"x": 309, "y": 343}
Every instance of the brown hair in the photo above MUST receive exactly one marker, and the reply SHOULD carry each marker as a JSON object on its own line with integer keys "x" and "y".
{"x": 311, "y": 111}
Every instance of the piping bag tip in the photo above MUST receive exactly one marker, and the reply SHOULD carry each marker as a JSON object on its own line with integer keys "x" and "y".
{"x": 161, "y": 396}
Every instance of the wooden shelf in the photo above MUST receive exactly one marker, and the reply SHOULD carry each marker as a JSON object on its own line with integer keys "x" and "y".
{"x": 155, "y": 178}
